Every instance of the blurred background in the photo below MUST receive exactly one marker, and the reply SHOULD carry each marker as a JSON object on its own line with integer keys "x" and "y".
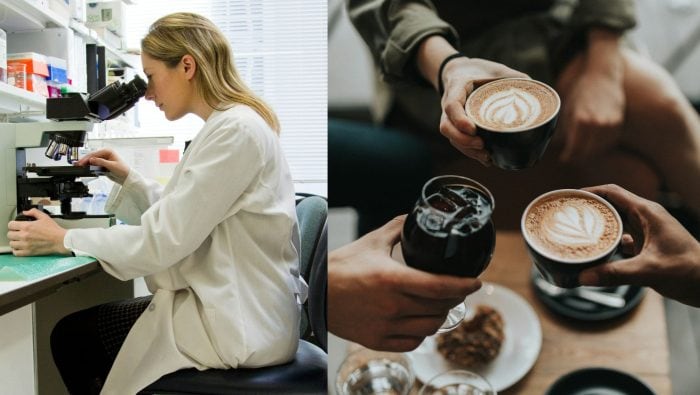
{"x": 668, "y": 31}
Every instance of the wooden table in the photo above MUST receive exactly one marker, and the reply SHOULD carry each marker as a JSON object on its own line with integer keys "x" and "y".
{"x": 636, "y": 344}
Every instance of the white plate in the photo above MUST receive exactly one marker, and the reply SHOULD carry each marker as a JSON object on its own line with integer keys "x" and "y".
{"x": 519, "y": 351}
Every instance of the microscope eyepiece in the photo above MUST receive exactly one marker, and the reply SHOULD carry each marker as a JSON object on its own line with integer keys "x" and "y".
{"x": 116, "y": 98}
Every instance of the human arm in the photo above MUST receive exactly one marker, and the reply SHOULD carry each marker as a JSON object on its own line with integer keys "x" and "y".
{"x": 459, "y": 78}
{"x": 384, "y": 304}
{"x": 203, "y": 194}
{"x": 594, "y": 99}
{"x": 664, "y": 256}
{"x": 592, "y": 91}
{"x": 409, "y": 42}
{"x": 393, "y": 30}
{"x": 132, "y": 195}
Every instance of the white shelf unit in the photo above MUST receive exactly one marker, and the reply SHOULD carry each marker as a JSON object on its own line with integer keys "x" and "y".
{"x": 26, "y": 15}
{"x": 23, "y": 15}
{"x": 114, "y": 54}
{"x": 16, "y": 100}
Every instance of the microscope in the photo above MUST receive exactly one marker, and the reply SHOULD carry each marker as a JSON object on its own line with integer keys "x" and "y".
{"x": 70, "y": 118}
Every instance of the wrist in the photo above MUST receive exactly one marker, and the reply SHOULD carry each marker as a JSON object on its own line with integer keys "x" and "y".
{"x": 430, "y": 55}
{"x": 60, "y": 243}
{"x": 603, "y": 54}
{"x": 444, "y": 65}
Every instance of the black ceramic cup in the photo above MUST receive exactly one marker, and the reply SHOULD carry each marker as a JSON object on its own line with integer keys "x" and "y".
{"x": 519, "y": 147}
{"x": 555, "y": 269}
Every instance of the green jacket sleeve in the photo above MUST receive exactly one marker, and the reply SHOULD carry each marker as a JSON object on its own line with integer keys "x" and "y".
{"x": 393, "y": 29}
{"x": 618, "y": 15}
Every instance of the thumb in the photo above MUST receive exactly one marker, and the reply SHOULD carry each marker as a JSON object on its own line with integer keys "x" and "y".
{"x": 623, "y": 271}
{"x": 390, "y": 233}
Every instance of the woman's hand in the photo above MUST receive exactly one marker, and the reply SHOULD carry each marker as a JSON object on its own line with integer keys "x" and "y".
{"x": 40, "y": 237}
{"x": 384, "y": 304}
{"x": 460, "y": 77}
{"x": 107, "y": 158}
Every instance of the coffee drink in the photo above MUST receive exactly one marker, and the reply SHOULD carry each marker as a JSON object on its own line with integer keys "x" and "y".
{"x": 512, "y": 104}
{"x": 569, "y": 230}
{"x": 572, "y": 227}
{"x": 516, "y": 118}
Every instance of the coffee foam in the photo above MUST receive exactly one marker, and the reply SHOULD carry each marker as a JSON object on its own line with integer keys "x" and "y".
{"x": 572, "y": 227}
{"x": 512, "y": 104}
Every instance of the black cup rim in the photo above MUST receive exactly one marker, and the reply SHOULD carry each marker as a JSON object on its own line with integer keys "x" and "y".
{"x": 489, "y": 195}
{"x": 555, "y": 258}
{"x": 517, "y": 130}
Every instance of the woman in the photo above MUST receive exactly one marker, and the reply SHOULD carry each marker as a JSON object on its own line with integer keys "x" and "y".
{"x": 218, "y": 244}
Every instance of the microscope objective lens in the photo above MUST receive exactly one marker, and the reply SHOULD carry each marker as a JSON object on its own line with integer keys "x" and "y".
{"x": 51, "y": 149}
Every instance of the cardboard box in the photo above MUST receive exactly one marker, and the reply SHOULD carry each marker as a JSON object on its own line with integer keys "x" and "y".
{"x": 108, "y": 14}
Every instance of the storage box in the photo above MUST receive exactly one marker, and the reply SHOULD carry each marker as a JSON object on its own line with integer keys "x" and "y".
{"x": 109, "y": 14}
{"x": 37, "y": 84}
{"x": 36, "y": 63}
{"x": 57, "y": 70}
{"x": 17, "y": 75}
{"x": 60, "y": 42}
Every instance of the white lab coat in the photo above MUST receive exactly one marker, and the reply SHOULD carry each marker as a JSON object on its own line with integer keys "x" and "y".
{"x": 218, "y": 246}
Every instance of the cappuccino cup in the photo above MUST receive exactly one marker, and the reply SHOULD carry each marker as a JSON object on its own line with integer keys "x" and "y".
{"x": 569, "y": 230}
{"x": 516, "y": 118}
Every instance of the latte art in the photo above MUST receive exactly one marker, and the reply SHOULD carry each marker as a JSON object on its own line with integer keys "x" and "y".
{"x": 512, "y": 108}
{"x": 512, "y": 104}
{"x": 571, "y": 227}
{"x": 574, "y": 226}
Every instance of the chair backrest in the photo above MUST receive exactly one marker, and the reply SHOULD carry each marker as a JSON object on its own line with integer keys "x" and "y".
{"x": 312, "y": 214}
{"x": 318, "y": 286}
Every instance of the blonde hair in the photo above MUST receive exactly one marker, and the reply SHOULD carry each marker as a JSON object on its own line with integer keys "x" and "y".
{"x": 176, "y": 35}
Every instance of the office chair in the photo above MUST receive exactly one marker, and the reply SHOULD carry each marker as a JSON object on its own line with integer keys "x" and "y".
{"x": 306, "y": 374}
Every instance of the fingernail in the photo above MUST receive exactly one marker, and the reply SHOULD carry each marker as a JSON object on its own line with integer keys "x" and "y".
{"x": 589, "y": 277}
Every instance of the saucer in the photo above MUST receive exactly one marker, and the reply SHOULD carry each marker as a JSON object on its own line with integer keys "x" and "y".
{"x": 521, "y": 344}
{"x": 572, "y": 306}
{"x": 599, "y": 381}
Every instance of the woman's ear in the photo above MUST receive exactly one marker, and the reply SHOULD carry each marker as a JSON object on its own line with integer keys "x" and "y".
{"x": 189, "y": 66}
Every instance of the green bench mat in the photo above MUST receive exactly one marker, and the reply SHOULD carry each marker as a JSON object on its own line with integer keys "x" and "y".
{"x": 14, "y": 268}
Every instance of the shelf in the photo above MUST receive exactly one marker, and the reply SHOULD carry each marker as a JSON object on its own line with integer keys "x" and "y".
{"x": 23, "y": 15}
{"x": 14, "y": 100}
{"x": 113, "y": 53}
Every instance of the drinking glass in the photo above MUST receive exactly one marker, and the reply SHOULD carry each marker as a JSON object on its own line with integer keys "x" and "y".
{"x": 457, "y": 382}
{"x": 450, "y": 231}
{"x": 365, "y": 372}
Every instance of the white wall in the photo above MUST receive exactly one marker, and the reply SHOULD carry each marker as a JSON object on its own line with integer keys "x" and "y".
{"x": 664, "y": 27}
{"x": 350, "y": 70}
